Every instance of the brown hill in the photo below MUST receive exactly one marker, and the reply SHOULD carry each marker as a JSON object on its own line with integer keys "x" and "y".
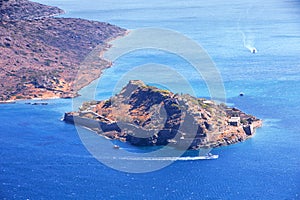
{"x": 24, "y": 9}
{"x": 144, "y": 115}
{"x": 40, "y": 55}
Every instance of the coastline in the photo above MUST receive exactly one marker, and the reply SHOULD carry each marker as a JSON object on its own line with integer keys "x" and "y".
{"x": 107, "y": 42}
{"x": 216, "y": 144}
{"x": 67, "y": 90}
{"x": 222, "y": 142}
{"x": 101, "y": 56}
{"x": 102, "y": 52}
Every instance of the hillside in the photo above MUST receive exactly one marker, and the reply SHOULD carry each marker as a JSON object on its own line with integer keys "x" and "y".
{"x": 40, "y": 54}
{"x": 145, "y": 116}
{"x": 24, "y": 9}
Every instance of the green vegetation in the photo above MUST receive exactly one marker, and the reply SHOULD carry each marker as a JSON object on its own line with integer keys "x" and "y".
{"x": 175, "y": 105}
{"x": 244, "y": 122}
{"x": 165, "y": 92}
{"x": 205, "y": 106}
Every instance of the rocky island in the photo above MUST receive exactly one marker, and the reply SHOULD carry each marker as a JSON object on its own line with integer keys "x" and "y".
{"x": 145, "y": 116}
{"x": 41, "y": 54}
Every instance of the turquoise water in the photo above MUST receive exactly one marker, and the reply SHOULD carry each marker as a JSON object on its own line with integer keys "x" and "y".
{"x": 44, "y": 158}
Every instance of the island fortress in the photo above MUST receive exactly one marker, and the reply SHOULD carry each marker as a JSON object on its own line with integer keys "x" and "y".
{"x": 163, "y": 117}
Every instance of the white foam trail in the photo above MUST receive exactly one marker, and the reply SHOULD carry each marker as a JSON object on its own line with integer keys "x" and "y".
{"x": 248, "y": 37}
{"x": 249, "y": 42}
{"x": 188, "y": 158}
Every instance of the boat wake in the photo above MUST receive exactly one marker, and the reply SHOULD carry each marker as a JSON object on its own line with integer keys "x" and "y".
{"x": 188, "y": 158}
{"x": 249, "y": 42}
{"x": 247, "y": 34}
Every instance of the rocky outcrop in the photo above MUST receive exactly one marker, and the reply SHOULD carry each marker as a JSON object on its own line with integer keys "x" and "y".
{"x": 146, "y": 116}
{"x": 40, "y": 55}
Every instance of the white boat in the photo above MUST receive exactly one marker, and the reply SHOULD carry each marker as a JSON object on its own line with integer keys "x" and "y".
{"x": 208, "y": 156}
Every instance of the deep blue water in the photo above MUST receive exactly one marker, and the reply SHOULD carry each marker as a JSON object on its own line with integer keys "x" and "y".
{"x": 44, "y": 158}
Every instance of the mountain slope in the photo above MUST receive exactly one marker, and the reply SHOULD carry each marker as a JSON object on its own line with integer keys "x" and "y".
{"x": 40, "y": 55}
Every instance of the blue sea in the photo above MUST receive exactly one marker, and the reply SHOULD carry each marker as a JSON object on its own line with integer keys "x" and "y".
{"x": 44, "y": 158}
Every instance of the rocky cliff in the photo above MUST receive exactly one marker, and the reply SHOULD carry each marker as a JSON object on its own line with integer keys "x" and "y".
{"x": 145, "y": 116}
{"x": 40, "y": 55}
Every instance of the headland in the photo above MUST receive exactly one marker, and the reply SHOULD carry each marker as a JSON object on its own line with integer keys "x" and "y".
{"x": 40, "y": 54}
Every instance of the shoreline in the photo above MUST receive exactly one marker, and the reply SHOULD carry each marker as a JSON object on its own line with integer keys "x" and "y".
{"x": 102, "y": 52}
{"x": 206, "y": 146}
{"x": 68, "y": 86}
{"x": 101, "y": 55}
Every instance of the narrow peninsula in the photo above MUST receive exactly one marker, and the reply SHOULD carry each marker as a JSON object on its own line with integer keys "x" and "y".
{"x": 146, "y": 116}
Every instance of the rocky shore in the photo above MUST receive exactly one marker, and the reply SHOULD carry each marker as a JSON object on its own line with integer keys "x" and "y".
{"x": 40, "y": 55}
{"x": 145, "y": 116}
